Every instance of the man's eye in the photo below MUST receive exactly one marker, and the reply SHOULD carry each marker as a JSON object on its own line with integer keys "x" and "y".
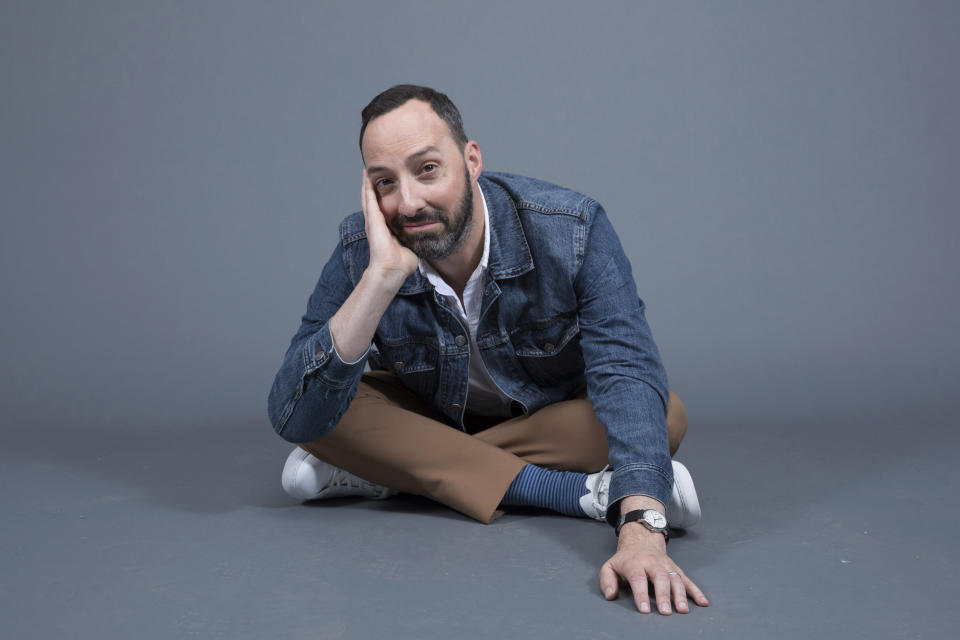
{"x": 429, "y": 167}
{"x": 382, "y": 183}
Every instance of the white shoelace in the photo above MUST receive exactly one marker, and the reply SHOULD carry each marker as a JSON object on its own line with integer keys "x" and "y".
{"x": 345, "y": 479}
{"x": 601, "y": 491}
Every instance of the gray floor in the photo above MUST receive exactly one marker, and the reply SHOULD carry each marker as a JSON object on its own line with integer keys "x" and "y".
{"x": 176, "y": 533}
{"x": 782, "y": 176}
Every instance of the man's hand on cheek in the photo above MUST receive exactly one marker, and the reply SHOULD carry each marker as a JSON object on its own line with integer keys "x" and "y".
{"x": 387, "y": 256}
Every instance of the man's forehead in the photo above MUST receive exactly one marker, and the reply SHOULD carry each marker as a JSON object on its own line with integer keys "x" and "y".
{"x": 407, "y": 130}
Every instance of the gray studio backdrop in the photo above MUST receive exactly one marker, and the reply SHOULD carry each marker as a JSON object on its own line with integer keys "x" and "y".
{"x": 783, "y": 175}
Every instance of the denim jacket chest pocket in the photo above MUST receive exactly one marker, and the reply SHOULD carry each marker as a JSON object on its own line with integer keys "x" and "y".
{"x": 414, "y": 360}
{"x": 549, "y": 350}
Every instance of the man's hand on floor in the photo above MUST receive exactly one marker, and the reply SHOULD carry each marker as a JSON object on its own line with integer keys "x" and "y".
{"x": 641, "y": 557}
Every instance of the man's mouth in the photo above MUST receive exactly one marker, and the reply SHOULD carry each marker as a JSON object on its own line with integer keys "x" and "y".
{"x": 420, "y": 226}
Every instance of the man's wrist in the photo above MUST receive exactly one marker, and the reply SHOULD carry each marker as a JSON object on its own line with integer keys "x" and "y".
{"x": 386, "y": 280}
{"x": 635, "y": 534}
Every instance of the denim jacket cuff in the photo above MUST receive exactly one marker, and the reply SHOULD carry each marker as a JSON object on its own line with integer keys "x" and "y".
{"x": 321, "y": 353}
{"x": 638, "y": 479}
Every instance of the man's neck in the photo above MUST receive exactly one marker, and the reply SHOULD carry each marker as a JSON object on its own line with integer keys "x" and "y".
{"x": 457, "y": 268}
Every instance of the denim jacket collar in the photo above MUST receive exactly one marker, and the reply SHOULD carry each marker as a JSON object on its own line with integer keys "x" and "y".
{"x": 509, "y": 253}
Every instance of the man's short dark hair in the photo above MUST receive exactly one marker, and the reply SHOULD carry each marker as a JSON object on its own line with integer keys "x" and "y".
{"x": 400, "y": 94}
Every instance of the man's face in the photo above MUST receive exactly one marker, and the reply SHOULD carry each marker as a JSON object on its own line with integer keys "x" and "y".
{"x": 422, "y": 181}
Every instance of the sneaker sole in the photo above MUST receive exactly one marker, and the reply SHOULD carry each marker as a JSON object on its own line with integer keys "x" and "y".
{"x": 689, "y": 503}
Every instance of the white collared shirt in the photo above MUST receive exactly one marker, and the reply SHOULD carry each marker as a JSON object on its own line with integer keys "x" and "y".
{"x": 484, "y": 397}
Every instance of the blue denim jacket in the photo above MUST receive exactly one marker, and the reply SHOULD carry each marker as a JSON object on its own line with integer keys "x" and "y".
{"x": 560, "y": 313}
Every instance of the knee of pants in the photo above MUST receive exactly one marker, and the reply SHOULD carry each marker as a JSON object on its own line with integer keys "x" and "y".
{"x": 676, "y": 421}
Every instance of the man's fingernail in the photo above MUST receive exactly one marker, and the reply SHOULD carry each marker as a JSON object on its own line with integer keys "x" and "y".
{"x": 645, "y": 607}
{"x": 608, "y": 592}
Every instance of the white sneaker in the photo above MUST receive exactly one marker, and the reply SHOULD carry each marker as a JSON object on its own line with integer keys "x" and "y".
{"x": 594, "y": 503}
{"x": 684, "y": 509}
{"x": 682, "y": 513}
{"x": 306, "y": 477}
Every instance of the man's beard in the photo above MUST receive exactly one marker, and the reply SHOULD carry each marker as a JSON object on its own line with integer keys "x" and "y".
{"x": 437, "y": 245}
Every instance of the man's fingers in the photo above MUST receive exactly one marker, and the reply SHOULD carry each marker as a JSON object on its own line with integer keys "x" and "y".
{"x": 364, "y": 187}
{"x": 608, "y": 582}
{"x": 638, "y": 584}
{"x": 374, "y": 222}
{"x": 365, "y": 193}
{"x": 672, "y": 589}
{"x": 679, "y": 593}
{"x": 695, "y": 592}
{"x": 661, "y": 587}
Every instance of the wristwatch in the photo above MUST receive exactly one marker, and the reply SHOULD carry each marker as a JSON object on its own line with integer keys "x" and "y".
{"x": 649, "y": 518}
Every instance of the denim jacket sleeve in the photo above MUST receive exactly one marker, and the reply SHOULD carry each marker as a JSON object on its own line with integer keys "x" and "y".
{"x": 314, "y": 386}
{"x": 626, "y": 380}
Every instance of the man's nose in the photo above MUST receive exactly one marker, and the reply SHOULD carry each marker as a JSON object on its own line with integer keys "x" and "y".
{"x": 411, "y": 201}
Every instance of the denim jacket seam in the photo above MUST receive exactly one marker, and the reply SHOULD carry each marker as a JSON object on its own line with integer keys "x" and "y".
{"x": 548, "y": 211}
{"x": 578, "y": 211}
{"x": 353, "y": 237}
{"x": 350, "y": 231}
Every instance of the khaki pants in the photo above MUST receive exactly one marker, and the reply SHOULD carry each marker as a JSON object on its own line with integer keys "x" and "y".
{"x": 389, "y": 436}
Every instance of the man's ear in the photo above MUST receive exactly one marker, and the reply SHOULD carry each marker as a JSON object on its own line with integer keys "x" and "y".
{"x": 473, "y": 159}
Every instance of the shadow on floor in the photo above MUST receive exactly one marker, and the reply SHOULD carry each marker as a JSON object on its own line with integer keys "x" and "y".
{"x": 209, "y": 468}
{"x": 223, "y": 467}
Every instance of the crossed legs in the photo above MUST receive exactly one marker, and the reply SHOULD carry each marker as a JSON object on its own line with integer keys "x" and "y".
{"x": 389, "y": 436}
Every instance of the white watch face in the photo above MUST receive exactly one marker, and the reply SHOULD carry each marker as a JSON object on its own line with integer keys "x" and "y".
{"x": 654, "y": 519}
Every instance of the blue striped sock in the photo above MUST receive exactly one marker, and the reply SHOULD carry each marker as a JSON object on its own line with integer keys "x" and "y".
{"x": 556, "y": 490}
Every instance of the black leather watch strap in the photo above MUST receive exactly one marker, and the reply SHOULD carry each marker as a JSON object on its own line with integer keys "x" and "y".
{"x": 637, "y": 516}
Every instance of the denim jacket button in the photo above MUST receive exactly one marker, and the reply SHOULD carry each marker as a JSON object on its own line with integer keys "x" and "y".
{"x": 398, "y": 367}
{"x": 460, "y": 340}
{"x": 455, "y": 407}
{"x": 549, "y": 347}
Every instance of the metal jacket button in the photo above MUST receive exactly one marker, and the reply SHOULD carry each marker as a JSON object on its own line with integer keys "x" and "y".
{"x": 460, "y": 340}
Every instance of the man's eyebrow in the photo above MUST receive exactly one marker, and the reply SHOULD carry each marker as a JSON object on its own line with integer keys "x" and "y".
{"x": 422, "y": 152}
{"x": 412, "y": 156}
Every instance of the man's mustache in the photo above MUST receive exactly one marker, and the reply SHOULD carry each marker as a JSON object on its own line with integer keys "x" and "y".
{"x": 421, "y": 218}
